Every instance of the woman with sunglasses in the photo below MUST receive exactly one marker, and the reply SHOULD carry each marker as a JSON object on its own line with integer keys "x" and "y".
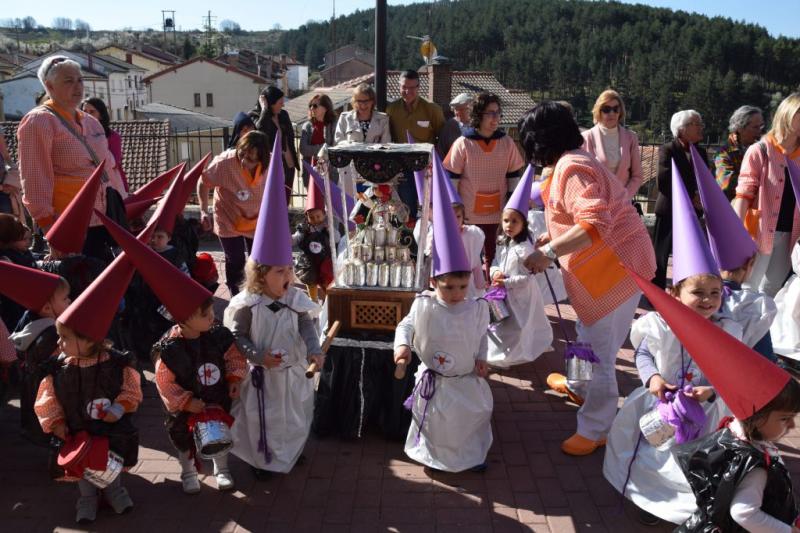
{"x": 362, "y": 124}
{"x": 317, "y": 132}
{"x": 612, "y": 144}
{"x": 487, "y": 165}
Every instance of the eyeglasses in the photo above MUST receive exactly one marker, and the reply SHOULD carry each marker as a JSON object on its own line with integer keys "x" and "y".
{"x": 492, "y": 114}
{"x": 363, "y": 101}
{"x": 609, "y": 109}
{"x": 699, "y": 124}
{"x": 314, "y": 106}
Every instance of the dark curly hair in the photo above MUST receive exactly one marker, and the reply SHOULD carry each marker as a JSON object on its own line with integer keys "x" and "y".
{"x": 547, "y": 131}
{"x": 482, "y": 101}
{"x": 522, "y": 236}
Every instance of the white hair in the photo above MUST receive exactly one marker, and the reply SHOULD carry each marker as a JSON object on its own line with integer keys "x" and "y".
{"x": 741, "y": 117}
{"x": 681, "y": 119}
{"x": 50, "y": 67}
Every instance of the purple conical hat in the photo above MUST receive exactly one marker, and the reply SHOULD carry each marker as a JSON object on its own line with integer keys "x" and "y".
{"x": 272, "y": 243}
{"x": 794, "y": 177}
{"x": 419, "y": 175}
{"x": 536, "y": 193}
{"x": 690, "y": 252}
{"x": 448, "y": 247}
{"x": 521, "y": 197}
{"x": 452, "y": 193}
{"x": 731, "y": 244}
{"x": 336, "y": 193}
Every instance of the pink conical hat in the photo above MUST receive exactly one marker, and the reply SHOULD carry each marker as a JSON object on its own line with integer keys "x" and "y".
{"x": 336, "y": 196}
{"x": 190, "y": 180}
{"x": 29, "y": 287}
{"x": 745, "y": 379}
{"x": 448, "y": 247}
{"x": 138, "y": 208}
{"x": 169, "y": 207}
{"x": 156, "y": 186}
{"x": 730, "y": 242}
{"x": 690, "y": 252}
{"x": 314, "y": 197}
{"x": 521, "y": 197}
{"x": 68, "y": 232}
{"x": 272, "y": 243}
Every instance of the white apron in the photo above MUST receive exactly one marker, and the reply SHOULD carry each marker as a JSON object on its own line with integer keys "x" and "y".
{"x": 536, "y": 226}
{"x": 785, "y": 329}
{"x": 289, "y": 395}
{"x": 753, "y": 311}
{"x": 526, "y": 334}
{"x": 457, "y": 433}
{"x": 656, "y": 482}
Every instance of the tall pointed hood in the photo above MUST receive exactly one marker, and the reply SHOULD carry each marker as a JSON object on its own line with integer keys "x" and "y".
{"x": 452, "y": 193}
{"x": 272, "y": 244}
{"x": 419, "y": 175}
{"x": 690, "y": 252}
{"x": 68, "y": 232}
{"x": 138, "y": 208}
{"x": 536, "y": 193}
{"x": 730, "y": 242}
{"x": 29, "y": 287}
{"x": 521, "y": 197}
{"x": 190, "y": 180}
{"x": 745, "y": 379}
{"x": 448, "y": 247}
{"x": 336, "y": 196}
{"x": 179, "y": 293}
{"x": 156, "y": 186}
{"x": 794, "y": 178}
{"x": 314, "y": 198}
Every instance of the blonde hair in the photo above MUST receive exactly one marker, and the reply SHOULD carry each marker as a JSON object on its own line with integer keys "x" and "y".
{"x": 604, "y": 98}
{"x": 363, "y": 89}
{"x": 782, "y": 121}
{"x": 96, "y": 348}
{"x": 254, "y": 277}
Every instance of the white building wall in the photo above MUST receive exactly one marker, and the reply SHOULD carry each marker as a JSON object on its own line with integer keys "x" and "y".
{"x": 230, "y": 92}
{"x": 19, "y": 95}
{"x": 298, "y": 77}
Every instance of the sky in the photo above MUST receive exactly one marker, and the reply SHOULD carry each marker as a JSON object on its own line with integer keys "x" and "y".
{"x": 779, "y": 17}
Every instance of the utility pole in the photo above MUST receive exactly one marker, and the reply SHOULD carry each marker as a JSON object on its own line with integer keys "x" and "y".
{"x": 380, "y": 54}
{"x": 208, "y": 20}
{"x": 168, "y": 24}
{"x": 333, "y": 42}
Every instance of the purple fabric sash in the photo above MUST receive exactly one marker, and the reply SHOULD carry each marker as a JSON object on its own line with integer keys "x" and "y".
{"x": 683, "y": 413}
{"x": 257, "y": 377}
{"x": 426, "y": 388}
{"x": 581, "y": 350}
{"x": 496, "y": 293}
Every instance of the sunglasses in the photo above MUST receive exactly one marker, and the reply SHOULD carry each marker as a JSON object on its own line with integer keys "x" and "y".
{"x": 314, "y": 106}
{"x": 609, "y": 109}
{"x": 363, "y": 101}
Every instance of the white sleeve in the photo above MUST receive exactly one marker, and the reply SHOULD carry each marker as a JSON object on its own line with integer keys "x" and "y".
{"x": 404, "y": 332}
{"x": 746, "y": 505}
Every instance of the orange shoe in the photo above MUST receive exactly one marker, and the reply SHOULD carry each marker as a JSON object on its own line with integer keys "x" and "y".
{"x": 579, "y": 445}
{"x": 558, "y": 383}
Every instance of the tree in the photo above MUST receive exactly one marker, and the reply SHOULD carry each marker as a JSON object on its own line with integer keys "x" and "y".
{"x": 189, "y": 49}
{"x": 62, "y": 23}
{"x": 28, "y": 24}
{"x": 82, "y": 26}
{"x": 229, "y": 26}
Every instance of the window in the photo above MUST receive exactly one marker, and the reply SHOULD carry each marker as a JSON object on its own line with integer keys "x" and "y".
{"x": 119, "y": 114}
{"x": 209, "y": 99}
{"x": 197, "y": 99}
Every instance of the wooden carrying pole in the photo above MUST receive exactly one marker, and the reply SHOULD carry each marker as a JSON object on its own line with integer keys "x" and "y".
{"x": 332, "y": 331}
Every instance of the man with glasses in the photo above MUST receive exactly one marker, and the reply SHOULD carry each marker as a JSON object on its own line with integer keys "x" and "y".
{"x": 423, "y": 120}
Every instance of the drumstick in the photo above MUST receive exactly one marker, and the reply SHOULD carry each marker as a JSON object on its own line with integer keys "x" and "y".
{"x": 332, "y": 331}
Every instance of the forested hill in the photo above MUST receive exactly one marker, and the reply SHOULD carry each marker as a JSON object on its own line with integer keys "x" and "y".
{"x": 660, "y": 60}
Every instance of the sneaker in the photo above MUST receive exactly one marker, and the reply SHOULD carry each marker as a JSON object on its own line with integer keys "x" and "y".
{"x": 87, "y": 509}
{"x": 648, "y": 519}
{"x": 119, "y": 499}
{"x": 224, "y": 480}
{"x": 191, "y": 485}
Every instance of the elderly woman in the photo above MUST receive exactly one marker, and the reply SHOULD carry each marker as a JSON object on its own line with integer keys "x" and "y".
{"x": 270, "y": 117}
{"x": 745, "y": 126}
{"x": 59, "y": 148}
{"x": 592, "y": 229}
{"x": 487, "y": 165}
{"x": 363, "y": 124}
{"x": 237, "y": 176}
{"x": 765, "y": 190}
{"x": 317, "y": 131}
{"x": 687, "y": 128}
{"x": 612, "y": 144}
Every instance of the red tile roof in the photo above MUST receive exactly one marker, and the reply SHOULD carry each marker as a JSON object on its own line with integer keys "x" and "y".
{"x": 220, "y": 64}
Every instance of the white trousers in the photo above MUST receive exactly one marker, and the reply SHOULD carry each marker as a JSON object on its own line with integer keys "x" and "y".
{"x": 770, "y": 270}
{"x": 601, "y": 394}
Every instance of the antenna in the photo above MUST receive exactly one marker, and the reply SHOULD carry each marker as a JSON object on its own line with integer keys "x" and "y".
{"x": 168, "y": 24}
{"x": 209, "y": 28}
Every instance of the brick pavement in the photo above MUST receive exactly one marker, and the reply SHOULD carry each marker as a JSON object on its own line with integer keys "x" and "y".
{"x": 364, "y": 485}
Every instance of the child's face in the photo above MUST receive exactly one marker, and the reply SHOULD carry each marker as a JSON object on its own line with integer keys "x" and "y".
{"x": 200, "y": 321}
{"x": 277, "y": 281}
{"x": 24, "y": 243}
{"x": 57, "y": 303}
{"x": 702, "y": 294}
{"x": 452, "y": 289}
{"x": 459, "y": 211}
{"x": 315, "y": 217}
{"x": 72, "y": 345}
{"x": 159, "y": 241}
{"x": 512, "y": 223}
{"x": 776, "y": 425}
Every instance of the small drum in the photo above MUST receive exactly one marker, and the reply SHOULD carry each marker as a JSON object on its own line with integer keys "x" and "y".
{"x": 579, "y": 369}
{"x": 212, "y": 438}
{"x": 407, "y": 274}
{"x": 372, "y": 274}
{"x": 380, "y": 236}
{"x": 103, "y": 478}
{"x": 655, "y": 429}
{"x": 498, "y": 310}
{"x": 384, "y": 275}
{"x": 392, "y": 236}
{"x": 380, "y": 254}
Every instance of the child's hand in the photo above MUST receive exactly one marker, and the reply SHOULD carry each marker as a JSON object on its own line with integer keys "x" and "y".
{"x": 658, "y": 387}
{"x": 60, "y": 431}
{"x": 541, "y": 240}
{"x": 110, "y": 417}
{"x": 195, "y": 406}
{"x": 233, "y": 390}
{"x": 482, "y": 368}
{"x": 498, "y": 279}
{"x": 701, "y": 393}
{"x": 270, "y": 361}
{"x": 317, "y": 358}
{"x": 402, "y": 353}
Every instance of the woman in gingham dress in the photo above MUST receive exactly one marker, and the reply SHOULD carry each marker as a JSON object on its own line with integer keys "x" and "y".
{"x": 54, "y": 162}
{"x": 237, "y": 177}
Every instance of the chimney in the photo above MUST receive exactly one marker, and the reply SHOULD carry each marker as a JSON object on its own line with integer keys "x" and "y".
{"x": 128, "y": 57}
{"x": 90, "y": 61}
{"x": 440, "y": 81}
